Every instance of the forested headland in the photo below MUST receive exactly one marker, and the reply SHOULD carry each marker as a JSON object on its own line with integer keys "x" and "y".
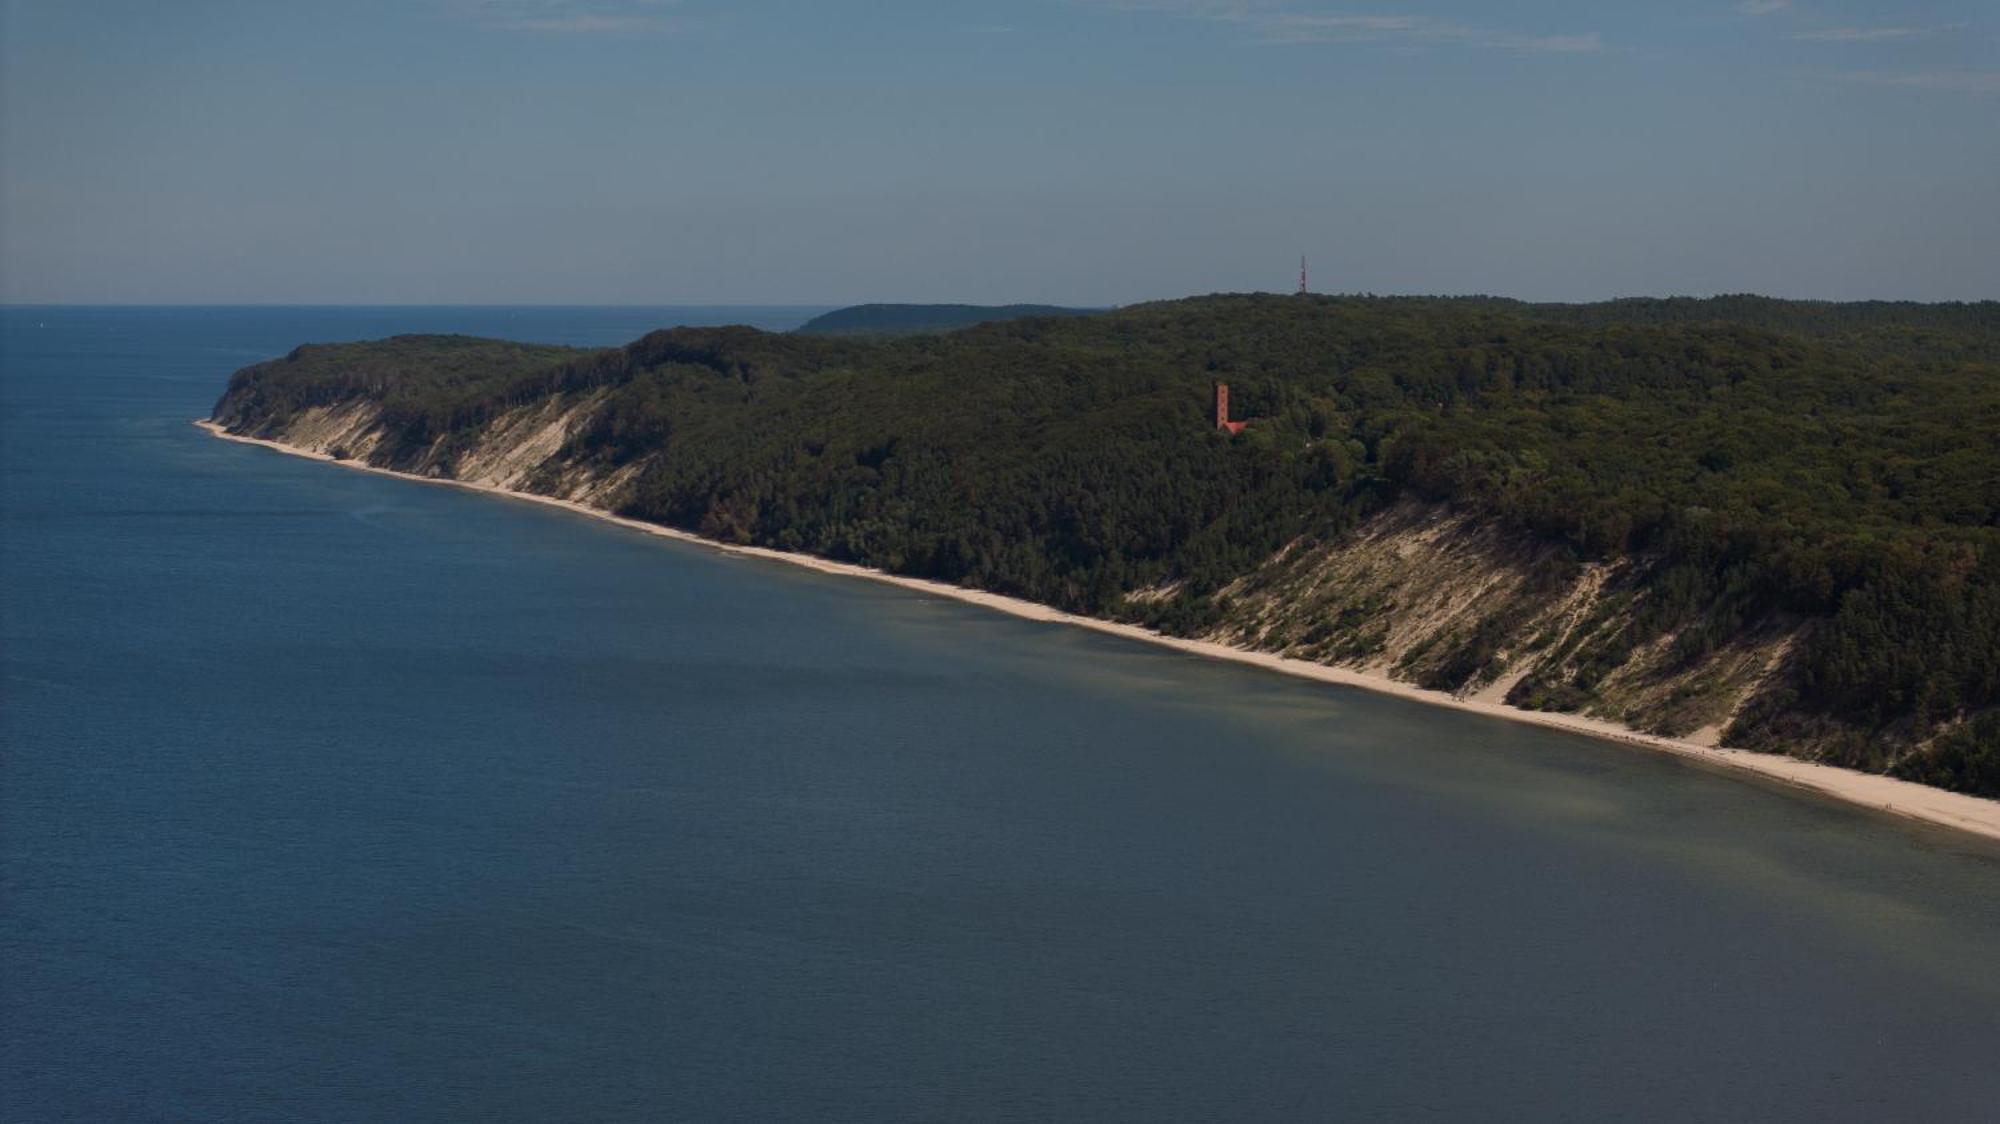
{"x": 1778, "y": 520}
{"x": 905, "y": 319}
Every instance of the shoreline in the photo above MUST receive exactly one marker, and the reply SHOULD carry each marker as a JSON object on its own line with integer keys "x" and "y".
{"x": 1906, "y": 799}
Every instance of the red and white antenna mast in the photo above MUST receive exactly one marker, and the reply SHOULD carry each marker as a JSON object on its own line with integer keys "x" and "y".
{"x": 1302, "y": 275}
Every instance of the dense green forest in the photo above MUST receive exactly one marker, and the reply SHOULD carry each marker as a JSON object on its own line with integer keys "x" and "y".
{"x": 1831, "y": 467}
{"x": 903, "y": 319}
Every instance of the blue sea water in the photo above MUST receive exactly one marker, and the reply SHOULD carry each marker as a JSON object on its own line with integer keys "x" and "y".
{"x": 326, "y": 795}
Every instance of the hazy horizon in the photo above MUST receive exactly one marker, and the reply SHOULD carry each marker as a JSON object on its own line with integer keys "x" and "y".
{"x": 1078, "y": 152}
{"x": 829, "y": 306}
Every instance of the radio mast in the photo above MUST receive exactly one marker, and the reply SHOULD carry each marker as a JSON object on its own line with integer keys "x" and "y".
{"x": 1302, "y": 275}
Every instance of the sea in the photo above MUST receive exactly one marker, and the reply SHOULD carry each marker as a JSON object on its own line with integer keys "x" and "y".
{"x": 333, "y": 796}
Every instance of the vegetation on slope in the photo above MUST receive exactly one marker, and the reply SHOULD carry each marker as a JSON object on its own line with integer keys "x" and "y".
{"x": 424, "y": 383}
{"x": 1836, "y": 467}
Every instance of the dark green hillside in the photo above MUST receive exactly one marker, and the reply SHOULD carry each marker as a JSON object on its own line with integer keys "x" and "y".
{"x": 1820, "y": 318}
{"x": 423, "y": 382}
{"x": 1955, "y": 329}
{"x": 904, "y": 319}
{"x": 1809, "y": 475}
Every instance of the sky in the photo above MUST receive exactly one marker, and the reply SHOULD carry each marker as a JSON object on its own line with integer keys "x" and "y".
{"x": 1089, "y": 152}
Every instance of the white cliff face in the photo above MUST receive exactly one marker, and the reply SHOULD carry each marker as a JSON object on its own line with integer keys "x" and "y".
{"x": 349, "y": 431}
{"x": 521, "y": 450}
{"x": 1425, "y": 595}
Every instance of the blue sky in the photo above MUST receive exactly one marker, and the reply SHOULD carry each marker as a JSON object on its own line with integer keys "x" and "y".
{"x": 1083, "y": 151}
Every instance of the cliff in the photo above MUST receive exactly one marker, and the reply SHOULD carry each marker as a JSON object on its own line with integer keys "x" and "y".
{"x": 1776, "y": 540}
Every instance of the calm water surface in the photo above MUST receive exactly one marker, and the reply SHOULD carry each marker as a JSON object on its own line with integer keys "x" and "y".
{"x": 334, "y": 796}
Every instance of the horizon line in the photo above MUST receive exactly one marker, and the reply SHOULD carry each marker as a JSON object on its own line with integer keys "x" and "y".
{"x": 1094, "y": 307}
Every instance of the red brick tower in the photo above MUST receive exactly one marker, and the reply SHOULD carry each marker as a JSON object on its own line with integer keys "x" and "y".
{"x": 1222, "y": 421}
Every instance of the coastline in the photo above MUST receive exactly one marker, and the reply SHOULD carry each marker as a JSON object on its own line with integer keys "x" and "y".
{"x": 1906, "y": 799}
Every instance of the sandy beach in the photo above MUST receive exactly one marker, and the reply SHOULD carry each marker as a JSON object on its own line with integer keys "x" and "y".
{"x": 1884, "y": 794}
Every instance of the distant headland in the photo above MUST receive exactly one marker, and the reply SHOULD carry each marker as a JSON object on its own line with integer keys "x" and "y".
{"x": 905, "y": 319}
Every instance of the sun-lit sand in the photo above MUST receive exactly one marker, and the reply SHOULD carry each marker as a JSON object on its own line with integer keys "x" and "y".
{"x": 1886, "y": 794}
